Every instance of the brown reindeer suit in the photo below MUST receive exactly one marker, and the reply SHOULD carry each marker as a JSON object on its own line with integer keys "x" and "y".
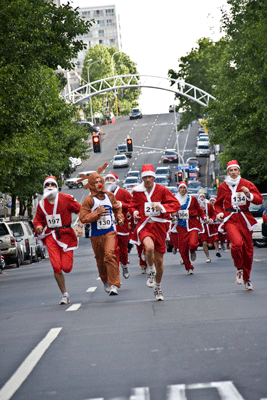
{"x": 104, "y": 244}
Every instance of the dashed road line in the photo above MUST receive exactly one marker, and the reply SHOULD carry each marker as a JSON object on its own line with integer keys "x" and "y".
{"x": 91, "y": 289}
{"x": 74, "y": 307}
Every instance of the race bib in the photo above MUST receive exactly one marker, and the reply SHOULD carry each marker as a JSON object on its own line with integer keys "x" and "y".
{"x": 150, "y": 210}
{"x": 104, "y": 222}
{"x": 53, "y": 221}
{"x": 239, "y": 199}
{"x": 183, "y": 214}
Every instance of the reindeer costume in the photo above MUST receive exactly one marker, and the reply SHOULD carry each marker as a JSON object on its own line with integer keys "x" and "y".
{"x": 99, "y": 209}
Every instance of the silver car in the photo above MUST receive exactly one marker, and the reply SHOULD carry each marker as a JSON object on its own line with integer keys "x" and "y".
{"x": 161, "y": 180}
{"x": 120, "y": 161}
{"x": 130, "y": 183}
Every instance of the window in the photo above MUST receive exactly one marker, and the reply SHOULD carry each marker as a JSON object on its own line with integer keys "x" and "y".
{"x": 111, "y": 41}
{"x": 101, "y": 32}
{"x": 101, "y": 41}
{"x": 100, "y": 22}
{"x": 98, "y": 13}
{"x": 3, "y": 230}
{"x": 110, "y": 22}
{"x": 110, "y": 12}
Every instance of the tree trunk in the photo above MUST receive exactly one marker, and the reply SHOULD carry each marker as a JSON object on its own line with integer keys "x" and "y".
{"x": 13, "y": 207}
{"x": 29, "y": 207}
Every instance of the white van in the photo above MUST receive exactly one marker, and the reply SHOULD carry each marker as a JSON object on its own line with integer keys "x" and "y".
{"x": 203, "y": 149}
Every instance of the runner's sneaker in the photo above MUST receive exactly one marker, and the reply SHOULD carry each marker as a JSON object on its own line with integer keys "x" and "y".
{"x": 143, "y": 270}
{"x": 158, "y": 294}
{"x": 181, "y": 261}
{"x": 239, "y": 277}
{"x": 174, "y": 250}
{"x": 113, "y": 290}
{"x": 125, "y": 272}
{"x": 208, "y": 260}
{"x": 248, "y": 285}
{"x": 65, "y": 299}
{"x": 190, "y": 272}
{"x": 150, "y": 282}
{"x": 106, "y": 287}
{"x": 193, "y": 256}
{"x": 218, "y": 254}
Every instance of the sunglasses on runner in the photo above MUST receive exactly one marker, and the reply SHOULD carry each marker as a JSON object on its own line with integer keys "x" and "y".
{"x": 50, "y": 184}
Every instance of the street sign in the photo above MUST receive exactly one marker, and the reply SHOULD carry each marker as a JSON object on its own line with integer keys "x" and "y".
{"x": 183, "y": 166}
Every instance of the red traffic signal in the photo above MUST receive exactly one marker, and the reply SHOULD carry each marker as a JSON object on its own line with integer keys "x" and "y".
{"x": 96, "y": 144}
{"x": 180, "y": 176}
{"x": 129, "y": 145}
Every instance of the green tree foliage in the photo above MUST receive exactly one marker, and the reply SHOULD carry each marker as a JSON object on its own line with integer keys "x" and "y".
{"x": 112, "y": 65}
{"x": 198, "y": 68}
{"x": 238, "y": 118}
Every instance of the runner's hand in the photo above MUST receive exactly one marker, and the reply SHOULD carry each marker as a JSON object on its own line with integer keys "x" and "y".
{"x": 39, "y": 229}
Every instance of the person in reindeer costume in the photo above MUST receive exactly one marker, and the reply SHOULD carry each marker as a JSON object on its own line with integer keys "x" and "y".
{"x": 234, "y": 196}
{"x": 123, "y": 232}
{"x": 151, "y": 207}
{"x": 52, "y": 224}
{"x": 99, "y": 210}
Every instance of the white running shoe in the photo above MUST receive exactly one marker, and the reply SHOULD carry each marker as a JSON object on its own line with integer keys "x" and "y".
{"x": 150, "y": 282}
{"x": 65, "y": 299}
{"x": 158, "y": 294}
{"x": 125, "y": 272}
{"x": 239, "y": 277}
{"x": 190, "y": 272}
{"x": 248, "y": 285}
{"x": 193, "y": 256}
{"x": 143, "y": 270}
{"x": 181, "y": 261}
{"x": 113, "y": 290}
{"x": 143, "y": 256}
{"x": 208, "y": 260}
{"x": 106, "y": 287}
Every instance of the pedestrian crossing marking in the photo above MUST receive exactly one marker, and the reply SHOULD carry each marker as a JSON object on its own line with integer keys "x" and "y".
{"x": 91, "y": 289}
{"x": 74, "y": 307}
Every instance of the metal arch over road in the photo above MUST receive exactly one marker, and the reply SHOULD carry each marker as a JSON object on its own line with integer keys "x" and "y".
{"x": 137, "y": 80}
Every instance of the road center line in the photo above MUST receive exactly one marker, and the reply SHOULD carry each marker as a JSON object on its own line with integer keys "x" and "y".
{"x": 16, "y": 380}
{"x": 91, "y": 289}
{"x": 74, "y": 307}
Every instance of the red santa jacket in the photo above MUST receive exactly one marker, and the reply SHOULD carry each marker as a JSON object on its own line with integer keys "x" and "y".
{"x": 125, "y": 198}
{"x": 233, "y": 204}
{"x": 195, "y": 213}
{"x": 211, "y": 229}
{"x": 64, "y": 205}
{"x": 141, "y": 202}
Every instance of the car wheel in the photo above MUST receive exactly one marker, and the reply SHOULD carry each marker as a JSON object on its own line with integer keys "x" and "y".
{"x": 17, "y": 261}
{"x": 80, "y": 185}
{"x": 260, "y": 243}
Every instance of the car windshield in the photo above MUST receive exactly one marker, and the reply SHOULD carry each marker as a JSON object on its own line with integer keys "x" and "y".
{"x": 131, "y": 180}
{"x": 170, "y": 153}
{"x": 133, "y": 173}
{"x": 122, "y": 147}
{"x": 3, "y": 230}
{"x": 162, "y": 171}
{"x": 135, "y": 110}
{"x": 160, "y": 179}
{"x": 193, "y": 185}
{"x": 16, "y": 228}
{"x": 203, "y": 147}
{"x": 118, "y": 158}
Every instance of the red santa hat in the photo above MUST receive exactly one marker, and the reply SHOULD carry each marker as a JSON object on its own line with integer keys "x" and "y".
{"x": 201, "y": 194}
{"x": 112, "y": 175}
{"x": 232, "y": 163}
{"x": 212, "y": 198}
{"x": 147, "y": 170}
{"x": 182, "y": 184}
{"x": 50, "y": 179}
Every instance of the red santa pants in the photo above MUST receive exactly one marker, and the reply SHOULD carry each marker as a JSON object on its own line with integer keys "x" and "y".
{"x": 157, "y": 234}
{"x": 241, "y": 245}
{"x": 122, "y": 249}
{"x": 187, "y": 241}
{"x": 61, "y": 260}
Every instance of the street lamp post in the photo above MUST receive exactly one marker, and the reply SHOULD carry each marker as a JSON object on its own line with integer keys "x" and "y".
{"x": 115, "y": 94}
{"x": 88, "y": 78}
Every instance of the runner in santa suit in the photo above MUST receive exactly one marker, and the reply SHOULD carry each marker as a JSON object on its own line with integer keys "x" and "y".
{"x": 151, "y": 206}
{"x": 184, "y": 233}
{"x": 222, "y": 237}
{"x": 210, "y": 235}
{"x": 52, "y": 224}
{"x": 123, "y": 232}
{"x": 101, "y": 209}
{"x": 234, "y": 196}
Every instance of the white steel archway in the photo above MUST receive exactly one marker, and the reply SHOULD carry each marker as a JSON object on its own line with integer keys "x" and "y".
{"x": 179, "y": 87}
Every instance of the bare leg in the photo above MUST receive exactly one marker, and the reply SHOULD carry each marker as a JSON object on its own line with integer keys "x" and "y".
{"x": 149, "y": 250}
{"x": 159, "y": 266}
{"x": 61, "y": 282}
{"x": 205, "y": 248}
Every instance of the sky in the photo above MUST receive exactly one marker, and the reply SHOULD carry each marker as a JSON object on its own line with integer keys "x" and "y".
{"x": 156, "y": 34}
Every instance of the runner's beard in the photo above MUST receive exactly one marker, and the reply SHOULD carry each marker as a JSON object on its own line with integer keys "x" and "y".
{"x": 50, "y": 193}
{"x": 182, "y": 199}
{"x": 202, "y": 204}
{"x": 110, "y": 186}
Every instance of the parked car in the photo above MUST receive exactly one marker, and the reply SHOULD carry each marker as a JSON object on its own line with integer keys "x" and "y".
{"x": 72, "y": 182}
{"x": 203, "y": 149}
{"x": 193, "y": 163}
{"x": 136, "y": 113}
{"x": 171, "y": 108}
{"x": 91, "y": 128}
{"x": 161, "y": 180}
{"x": 166, "y": 171}
{"x": 2, "y": 262}
{"x": 170, "y": 156}
{"x": 22, "y": 230}
{"x": 264, "y": 224}
{"x": 10, "y": 249}
{"x": 134, "y": 173}
{"x": 130, "y": 183}
{"x": 257, "y": 211}
{"x": 203, "y": 138}
{"x": 173, "y": 189}
{"x": 193, "y": 175}
{"x": 193, "y": 186}
{"x": 120, "y": 161}
{"x": 122, "y": 149}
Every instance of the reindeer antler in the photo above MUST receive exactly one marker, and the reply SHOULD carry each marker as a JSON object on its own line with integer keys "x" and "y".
{"x": 83, "y": 177}
{"x": 100, "y": 169}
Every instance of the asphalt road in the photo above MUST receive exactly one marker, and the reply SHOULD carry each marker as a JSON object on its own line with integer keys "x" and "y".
{"x": 206, "y": 341}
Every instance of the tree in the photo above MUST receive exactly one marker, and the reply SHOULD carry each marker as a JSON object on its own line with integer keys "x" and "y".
{"x": 238, "y": 116}
{"x": 119, "y": 64}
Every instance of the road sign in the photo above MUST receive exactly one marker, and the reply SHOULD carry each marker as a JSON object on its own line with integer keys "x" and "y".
{"x": 183, "y": 166}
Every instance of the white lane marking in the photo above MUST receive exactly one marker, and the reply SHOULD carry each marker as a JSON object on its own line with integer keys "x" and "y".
{"x": 98, "y": 279}
{"x": 140, "y": 393}
{"x": 91, "y": 289}
{"x": 16, "y": 380}
{"x": 74, "y": 307}
{"x": 227, "y": 390}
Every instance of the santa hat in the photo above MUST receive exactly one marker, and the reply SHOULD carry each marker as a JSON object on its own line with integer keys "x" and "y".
{"x": 182, "y": 184}
{"x": 212, "y": 198}
{"x": 147, "y": 170}
{"x": 232, "y": 163}
{"x": 201, "y": 194}
{"x": 112, "y": 175}
{"x": 50, "y": 179}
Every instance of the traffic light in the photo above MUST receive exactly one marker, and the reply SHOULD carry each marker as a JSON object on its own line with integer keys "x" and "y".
{"x": 96, "y": 144}
{"x": 129, "y": 145}
{"x": 180, "y": 176}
